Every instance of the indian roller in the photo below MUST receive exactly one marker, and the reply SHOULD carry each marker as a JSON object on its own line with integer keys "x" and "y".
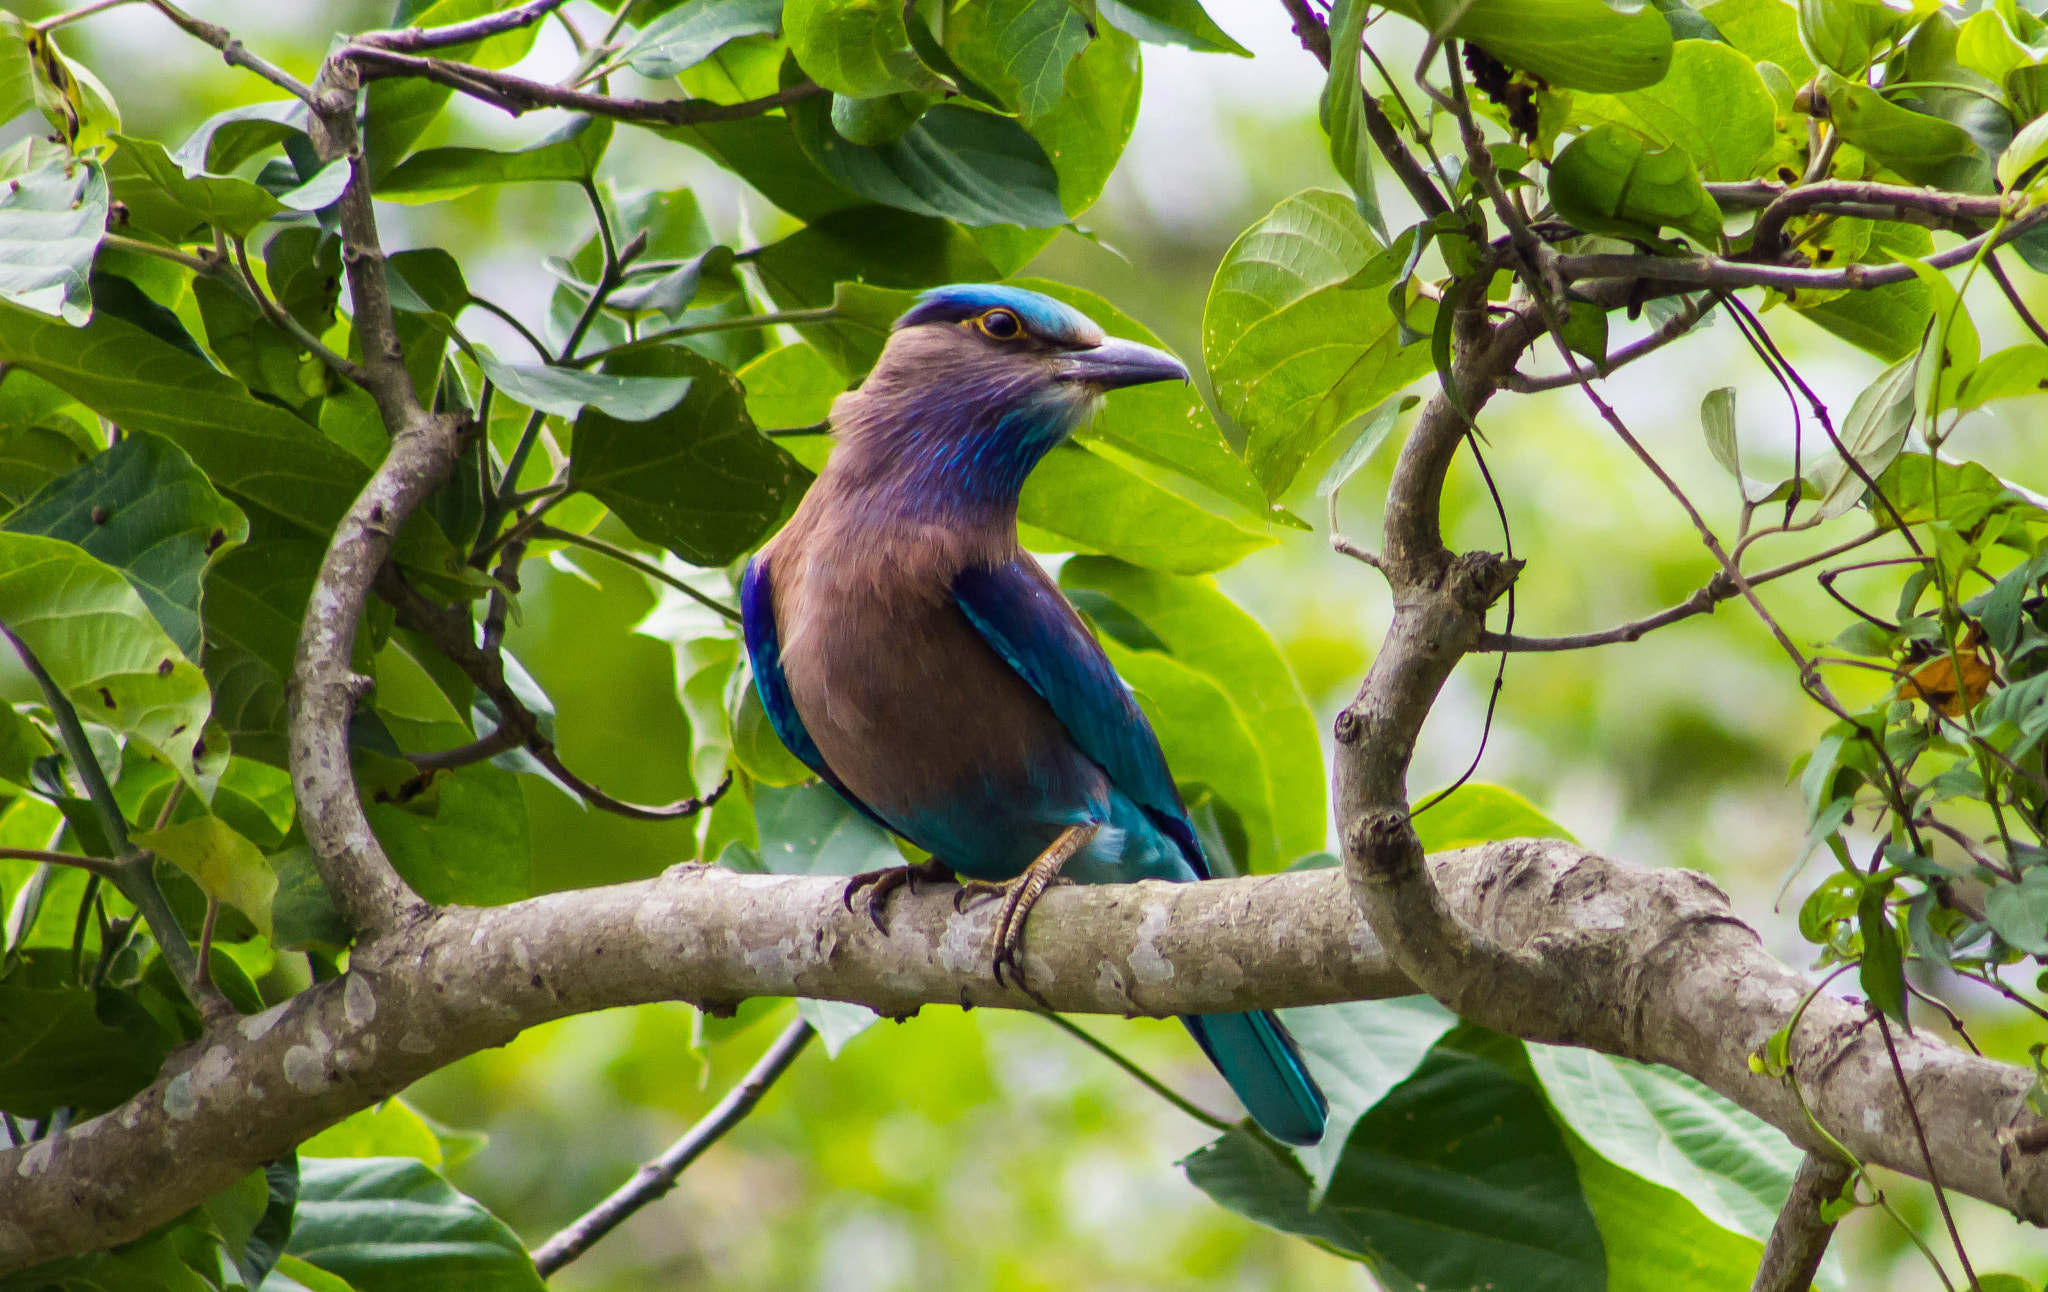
{"x": 913, "y": 656}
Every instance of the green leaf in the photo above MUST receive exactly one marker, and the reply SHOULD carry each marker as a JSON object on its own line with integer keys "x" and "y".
{"x": 1020, "y": 49}
{"x": 1085, "y": 132}
{"x": 1342, "y": 110}
{"x": 17, "y": 69}
{"x": 1456, "y": 1179}
{"x": 1480, "y": 813}
{"x": 390, "y": 1224}
{"x": 100, "y": 644}
{"x": 858, "y": 48}
{"x": 1843, "y": 35}
{"x": 255, "y": 601}
{"x": 569, "y": 155}
{"x": 1717, "y": 420}
{"x": 162, "y": 198}
{"x": 227, "y": 139}
{"x": 1889, "y": 321}
{"x": 143, "y": 508}
{"x": 1670, "y": 1130}
{"x": 51, "y": 222}
{"x": 1921, "y": 489}
{"x": 809, "y": 830}
{"x": 462, "y": 839}
{"x": 1912, "y": 143}
{"x": 1765, "y": 30}
{"x": 1372, "y": 433}
{"x": 225, "y": 865}
{"x": 566, "y": 392}
{"x": 1160, "y": 423}
{"x": 1883, "y": 972}
{"x": 1712, "y": 104}
{"x": 2019, "y": 912}
{"x": 1572, "y": 44}
{"x": 388, "y": 1129}
{"x": 791, "y": 386}
{"x": 691, "y": 32}
{"x": 1357, "y": 1052}
{"x": 1613, "y": 180}
{"x": 72, "y": 1046}
{"x": 2019, "y": 165}
{"x": 245, "y": 446}
{"x": 1873, "y": 434}
{"x": 302, "y": 914}
{"x": 1094, "y": 505}
{"x": 295, "y": 1275}
{"x": 698, "y": 479}
{"x": 1298, "y": 339}
{"x": 1169, "y": 22}
{"x": 764, "y": 152}
{"x": 1205, "y": 631}
{"x": 2014, "y": 371}
{"x": 956, "y": 163}
{"x": 1657, "y": 1241}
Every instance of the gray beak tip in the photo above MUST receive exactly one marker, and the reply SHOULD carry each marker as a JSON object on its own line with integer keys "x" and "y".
{"x": 1117, "y": 363}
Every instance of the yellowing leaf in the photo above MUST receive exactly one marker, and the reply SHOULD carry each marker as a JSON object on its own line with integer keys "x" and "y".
{"x": 223, "y": 863}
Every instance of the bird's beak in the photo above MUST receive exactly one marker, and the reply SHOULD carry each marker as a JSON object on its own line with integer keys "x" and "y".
{"x": 1117, "y": 362}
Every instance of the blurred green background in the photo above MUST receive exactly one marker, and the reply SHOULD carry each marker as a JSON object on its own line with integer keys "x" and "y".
{"x": 989, "y": 1151}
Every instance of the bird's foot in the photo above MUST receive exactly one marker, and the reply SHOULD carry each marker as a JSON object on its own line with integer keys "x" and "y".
{"x": 881, "y": 883}
{"x": 1023, "y": 892}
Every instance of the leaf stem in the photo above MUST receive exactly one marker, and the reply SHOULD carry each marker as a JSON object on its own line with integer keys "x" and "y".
{"x": 637, "y": 562}
{"x": 1150, "y": 1082}
{"x": 97, "y": 867}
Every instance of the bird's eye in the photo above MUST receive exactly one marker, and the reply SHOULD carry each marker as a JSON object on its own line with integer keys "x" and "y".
{"x": 1000, "y": 324}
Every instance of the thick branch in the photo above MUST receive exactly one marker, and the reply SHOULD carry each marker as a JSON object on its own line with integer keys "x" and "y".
{"x": 1800, "y": 1237}
{"x": 517, "y": 94}
{"x": 1651, "y": 964}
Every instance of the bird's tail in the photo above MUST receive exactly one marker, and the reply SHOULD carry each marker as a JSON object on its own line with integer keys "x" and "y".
{"x": 1258, "y": 1059}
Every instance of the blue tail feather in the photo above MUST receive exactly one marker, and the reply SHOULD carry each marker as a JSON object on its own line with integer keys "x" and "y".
{"x": 1258, "y": 1059}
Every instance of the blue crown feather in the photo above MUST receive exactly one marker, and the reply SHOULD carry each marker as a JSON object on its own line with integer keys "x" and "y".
{"x": 1042, "y": 316}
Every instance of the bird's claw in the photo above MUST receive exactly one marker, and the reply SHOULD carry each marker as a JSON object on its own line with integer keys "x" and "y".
{"x": 881, "y": 883}
{"x": 1023, "y": 892}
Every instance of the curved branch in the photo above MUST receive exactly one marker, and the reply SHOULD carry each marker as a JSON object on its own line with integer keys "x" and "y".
{"x": 1653, "y": 965}
{"x": 412, "y": 40}
{"x": 517, "y": 94}
{"x": 1800, "y": 1237}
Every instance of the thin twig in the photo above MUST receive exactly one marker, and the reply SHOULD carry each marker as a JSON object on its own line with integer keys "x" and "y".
{"x": 69, "y": 16}
{"x": 517, "y": 95}
{"x": 1672, "y": 329}
{"x": 1884, "y": 1028}
{"x": 682, "y": 809}
{"x": 232, "y": 50}
{"x": 281, "y": 319}
{"x": 659, "y": 1176}
{"x": 99, "y": 867}
{"x": 501, "y": 740}
{"x": 1150, "y": 1082}
{"x": 2012, "y": 297}
{"x": 413, "y": 40}
{"x": 635, "y": 561}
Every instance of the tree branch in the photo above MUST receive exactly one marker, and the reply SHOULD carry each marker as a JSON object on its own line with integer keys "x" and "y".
{"x": 659, "y": 1176}
{"x": 1652, "y": 965}
{"x": 412, "y": 40}
{"x": 232, "y": 51}
{"x": 517, "y": 94}
{"x": 1870, "y": 202}
{"x": 1800, "y": 1237}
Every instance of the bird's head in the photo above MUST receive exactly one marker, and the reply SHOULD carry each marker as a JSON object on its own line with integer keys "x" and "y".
{"x": 977, "y": 382}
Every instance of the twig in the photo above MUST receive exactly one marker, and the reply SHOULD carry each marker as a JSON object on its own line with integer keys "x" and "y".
{"x": 1869, "y": 201}
{"x": 1150, "y": 1082}
{"x": 502, "y": 740}
{"x": 1891, "y": 1048}
{"x": 517, "y": 95}
{"x": 2012, "y": 297}
{"x": 281, "y": 319}
{"x": 1800, "y": 1237}
{"x": 634, "y": 561}
{"x": 1673, "y": 328}
{"x": 682, "y": 809}
{"x": 98, "y": 867}
{"x": 415, "y": 39}
{"x": 232, "y": 50}
{"x": 69, "y": 16}
{"x": 659, "y": 1176}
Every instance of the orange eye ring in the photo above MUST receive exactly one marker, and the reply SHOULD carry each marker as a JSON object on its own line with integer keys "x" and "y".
{"x": 1000, "y": 325}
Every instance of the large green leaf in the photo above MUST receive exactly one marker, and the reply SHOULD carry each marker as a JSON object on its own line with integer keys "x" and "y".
{"x": 1093, "y": 505}
{"x": 1456, "y": 1179}
{"x": 859, "y": 48}
{"x": 1765, "y": 30}
{"x": 64, "y": 1045}
{"x": 162, "y": 198}
{"x": 1888, "y": 321}
{"x": 143, "y": 508}
{"x": 255, "y": 601}
{"x": 1169, "y": 22}
{"x": 1614, "y": 180}
{"x": 1206, "y": 632}
{"x": 697, "y": 479}
{"x": 390, "y": 1224}
{"x": 51, "y": 222}
{"x": 1357, "y": 1052}
{"x": 958, "y": 163}
{"x": 1343, "y": 110}
{"x": 1572, "y": 44}
{"x": 99, "y": 643}
{"x": 221, "y": 861}
{"x": 569, "y": 155}
{"x": 566, "y": 392}
{"x": 1480, "y": 813}
{"x": 1085, "y": 132}
{"x": 689, "y": 33}
{"x": 1018, "y": 48}
{"x": 1657, "y": 1241}
{"x": 1914, "y": 144}
{"x": 1298, "y": 339}
{"x": 461, "y": 839}
{"x": 1161, "y": 422}
{"x": 764, "y": 152}
{"x": 1712, "y": 103}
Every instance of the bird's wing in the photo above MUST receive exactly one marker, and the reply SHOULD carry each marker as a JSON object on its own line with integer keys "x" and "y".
{"x": 1021, "y": 613}
{"x": 764, "y": 651}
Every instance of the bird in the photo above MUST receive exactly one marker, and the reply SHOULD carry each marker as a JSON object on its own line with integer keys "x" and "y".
{"x": 911, "y": 654}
